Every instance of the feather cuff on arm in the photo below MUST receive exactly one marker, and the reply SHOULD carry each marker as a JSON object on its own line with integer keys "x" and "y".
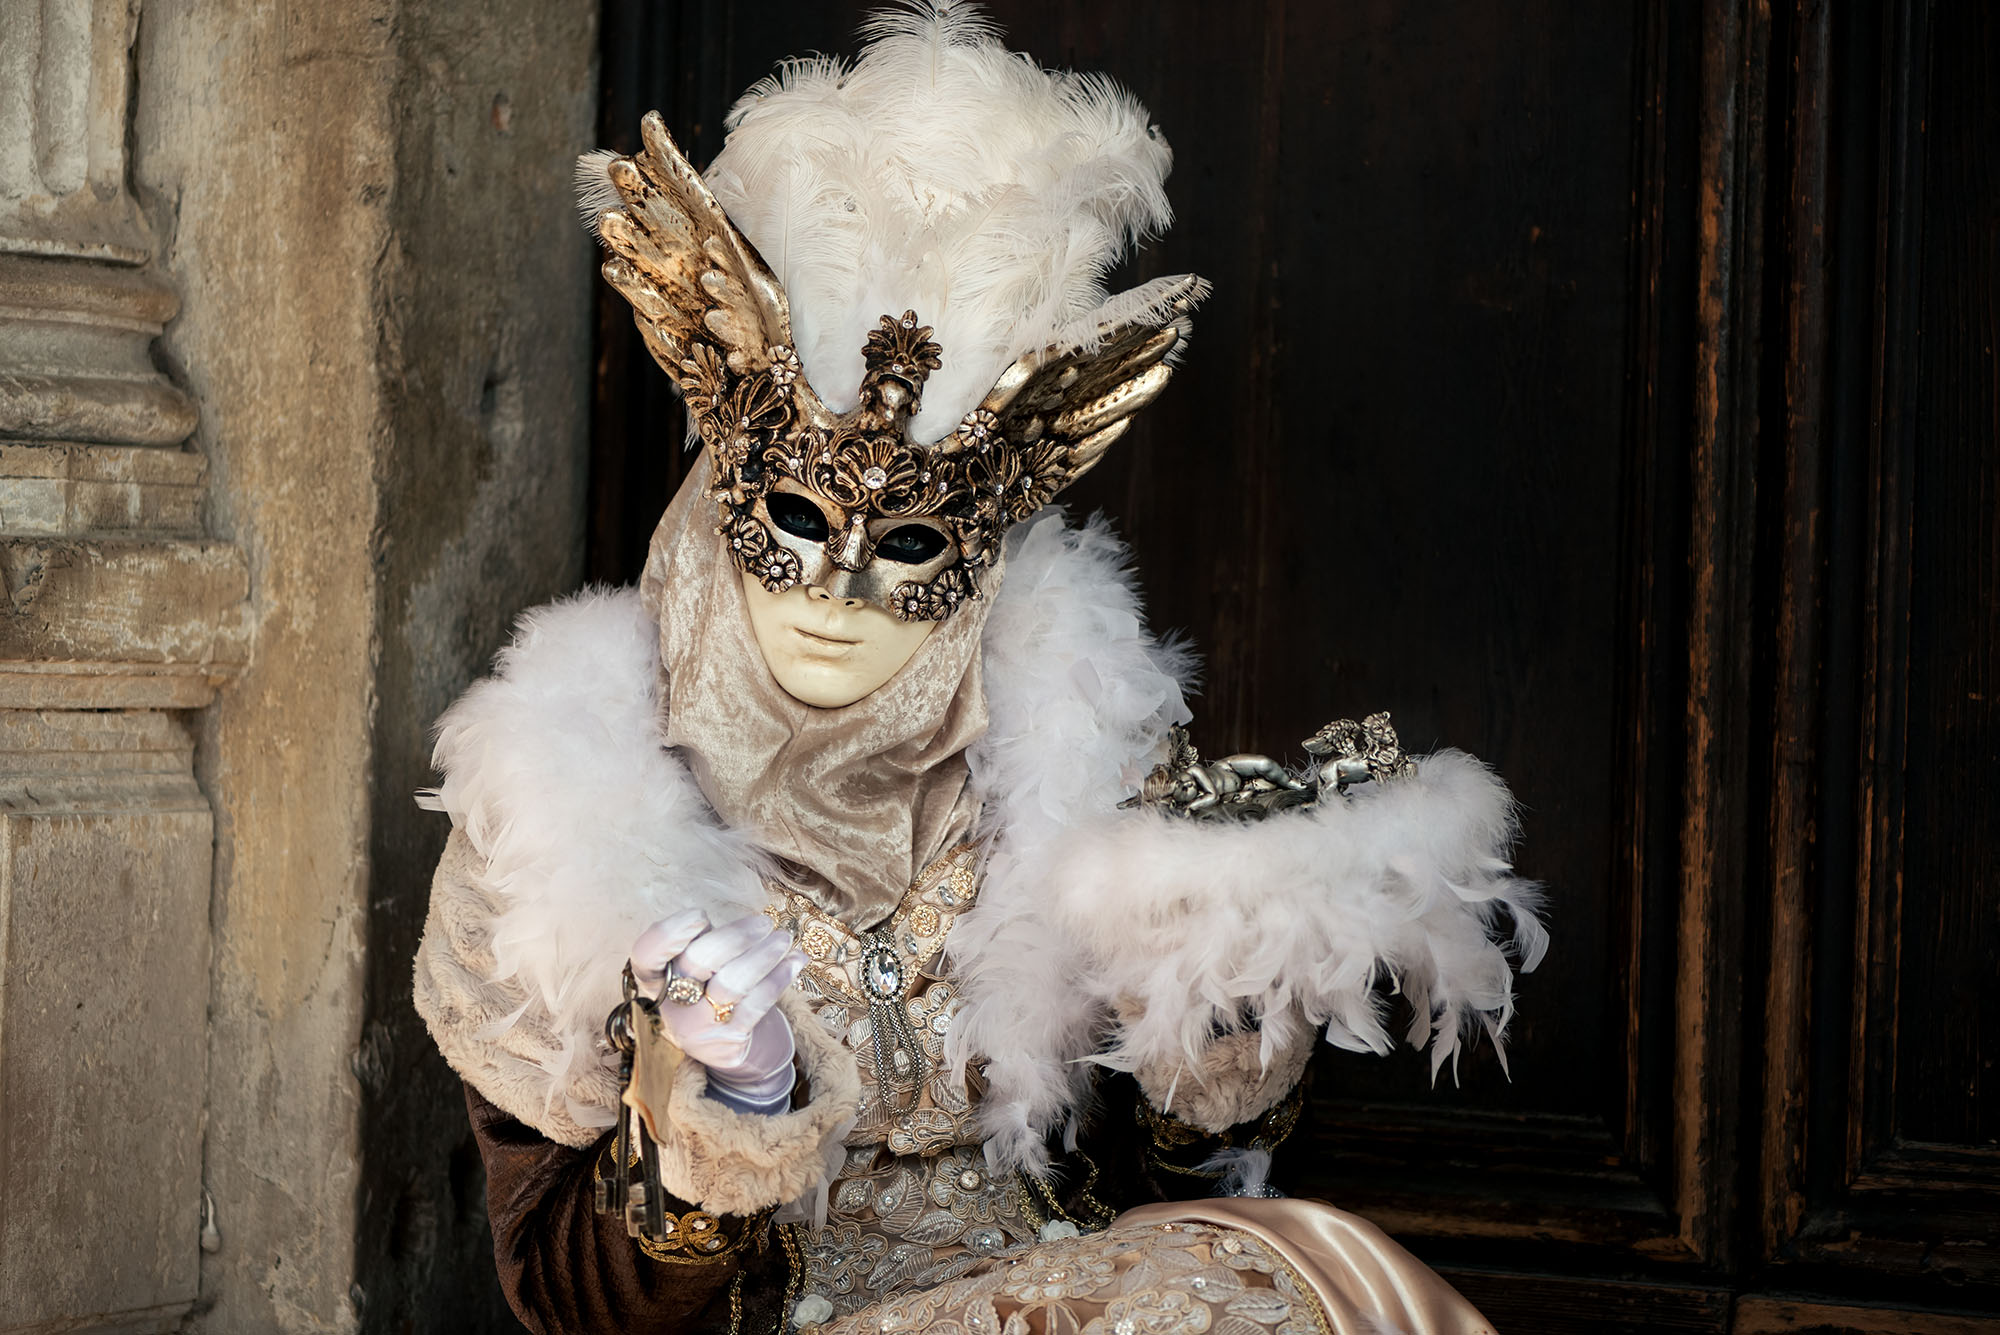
{"x": 1406, "y": 883}
{"x": 1317, "y": 917}
{"x": 573, "y": 827}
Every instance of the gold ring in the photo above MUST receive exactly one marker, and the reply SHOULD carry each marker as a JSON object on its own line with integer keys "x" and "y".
{"x": 723, "y": 1009}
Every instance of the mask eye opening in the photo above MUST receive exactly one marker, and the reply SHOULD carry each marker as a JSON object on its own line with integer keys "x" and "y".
{"x": 910, "y": 544}
{"x": 796, "y": 515}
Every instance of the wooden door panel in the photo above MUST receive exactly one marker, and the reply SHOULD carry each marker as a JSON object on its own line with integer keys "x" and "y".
{"x": 1882, "y": 1109}
{"x": 1926, "y": 1017}
{"x": 1946, "y": 1090}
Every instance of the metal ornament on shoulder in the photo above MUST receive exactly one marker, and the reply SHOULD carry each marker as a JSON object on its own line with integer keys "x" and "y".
{"x": 1251, "y": 787}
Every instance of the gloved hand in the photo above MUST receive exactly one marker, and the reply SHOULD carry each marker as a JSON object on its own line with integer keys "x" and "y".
{"x": 743, "y": 968}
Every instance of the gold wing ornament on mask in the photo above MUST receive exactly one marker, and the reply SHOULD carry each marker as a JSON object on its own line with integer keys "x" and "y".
{"x": 1062, "y": 408}
{"x": 712, "y": 313}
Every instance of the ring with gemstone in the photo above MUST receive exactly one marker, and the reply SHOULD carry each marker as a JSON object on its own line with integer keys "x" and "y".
{"x": 723, "y": 1010}
{"x": 683, "y": 990}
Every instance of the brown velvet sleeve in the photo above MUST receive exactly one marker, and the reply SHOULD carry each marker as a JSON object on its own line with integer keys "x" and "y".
{"x": 568, "y": 1270}
{"x": 1131, "y": 1153}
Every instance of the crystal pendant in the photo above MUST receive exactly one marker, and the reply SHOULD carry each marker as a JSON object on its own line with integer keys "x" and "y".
{"x": 882, "y": 973}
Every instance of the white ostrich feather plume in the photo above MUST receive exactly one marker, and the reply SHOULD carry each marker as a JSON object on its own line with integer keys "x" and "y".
{"x": 940, "y": 173}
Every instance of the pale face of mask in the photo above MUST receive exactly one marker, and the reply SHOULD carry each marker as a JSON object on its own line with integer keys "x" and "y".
{"x": 825, "y": 651}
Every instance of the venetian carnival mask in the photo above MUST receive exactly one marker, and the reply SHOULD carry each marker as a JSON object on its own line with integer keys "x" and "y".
{"x": 850, "y": 503}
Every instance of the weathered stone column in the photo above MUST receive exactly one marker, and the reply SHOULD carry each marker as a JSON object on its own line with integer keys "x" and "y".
{"x": 119, "y": 616}
{"x": 294, "y": 360}
{"x": 366, "y": 209}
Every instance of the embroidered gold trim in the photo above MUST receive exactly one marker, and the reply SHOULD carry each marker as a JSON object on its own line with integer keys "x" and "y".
{"x": 1277, "y": 1124}
{"x": 1170, "y": 1135}
{"x": 1168, "y": 1131}
{"x": 694, "y": 1237}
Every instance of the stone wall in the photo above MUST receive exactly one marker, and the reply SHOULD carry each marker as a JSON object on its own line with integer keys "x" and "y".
{"x": 247, "y": 561}
{"x": 486, "y": 463}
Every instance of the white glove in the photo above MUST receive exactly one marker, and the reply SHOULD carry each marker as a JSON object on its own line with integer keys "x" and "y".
{"x": 743, "y": 968}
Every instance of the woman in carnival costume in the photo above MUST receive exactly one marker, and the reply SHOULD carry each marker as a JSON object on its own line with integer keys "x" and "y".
{"x": 927, "y": 1017}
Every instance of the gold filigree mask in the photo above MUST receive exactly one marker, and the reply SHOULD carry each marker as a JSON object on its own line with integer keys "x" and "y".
{"x": 849, "y": 501}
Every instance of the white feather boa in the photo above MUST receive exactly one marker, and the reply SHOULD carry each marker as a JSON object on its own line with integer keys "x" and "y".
{"x": 591, "y": 829}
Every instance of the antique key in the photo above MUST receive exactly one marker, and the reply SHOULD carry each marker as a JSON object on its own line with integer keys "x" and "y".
{"x": 646, "y": 1064}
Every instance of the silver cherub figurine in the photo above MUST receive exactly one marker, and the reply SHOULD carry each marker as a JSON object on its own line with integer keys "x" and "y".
{"x": 1359, "y": 752}
{"x": 1250, "y": 787}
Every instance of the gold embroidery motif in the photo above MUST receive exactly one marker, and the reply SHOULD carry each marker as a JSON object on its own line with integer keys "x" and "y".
{"x": 818, "y": 942}
{"x": 694, "y": 1236}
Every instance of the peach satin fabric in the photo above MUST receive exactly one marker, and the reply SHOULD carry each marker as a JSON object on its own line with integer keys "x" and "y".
{"x": 1364, "y": 1281}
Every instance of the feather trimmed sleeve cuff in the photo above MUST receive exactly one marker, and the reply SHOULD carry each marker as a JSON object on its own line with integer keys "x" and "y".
{"x": 557, "y": 1079}
{"x": 737, "y": 1163}
{"x": 1406, "y": 884}
{"x": 1390, "y": 912}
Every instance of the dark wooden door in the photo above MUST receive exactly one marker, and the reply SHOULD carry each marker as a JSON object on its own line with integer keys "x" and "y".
{"x": 1608, "y": 389}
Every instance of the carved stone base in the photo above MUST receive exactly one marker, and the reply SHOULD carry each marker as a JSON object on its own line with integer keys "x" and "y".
{"x": 105, "y": 845}
{"x": 72, "y": 489}
{"x": 75, "y": 355}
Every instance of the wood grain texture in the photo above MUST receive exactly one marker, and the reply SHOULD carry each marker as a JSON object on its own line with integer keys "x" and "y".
{"x": 1720, "y": 554}
{"x": 1796, "y": 641}
{"x": 1783, "y": 1316}
{"x": 1559, "y": 1305}
{"x": 1881, "y": 1142}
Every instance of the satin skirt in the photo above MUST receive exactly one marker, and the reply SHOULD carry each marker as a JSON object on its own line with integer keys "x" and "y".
{"x": 1237, "y": 1266}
